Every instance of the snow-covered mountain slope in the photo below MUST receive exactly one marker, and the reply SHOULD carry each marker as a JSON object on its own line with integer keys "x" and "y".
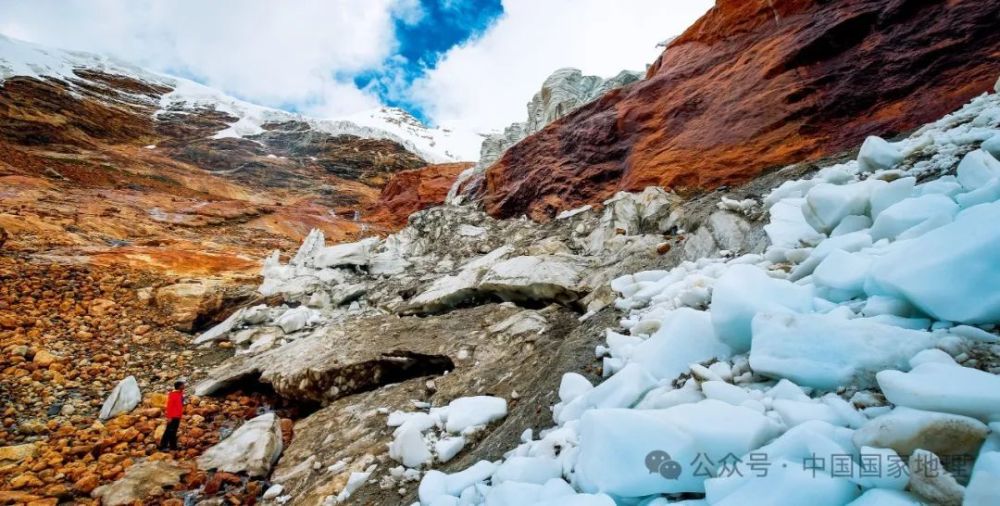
{"x": 435, "y": 145}
{"x": 455, "y": 145}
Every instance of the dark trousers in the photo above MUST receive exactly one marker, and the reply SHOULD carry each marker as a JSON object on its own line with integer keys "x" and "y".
{"x": 169, "y": 438}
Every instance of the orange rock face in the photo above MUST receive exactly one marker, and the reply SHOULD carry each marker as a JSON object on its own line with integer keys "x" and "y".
{"x": 753, "y": 86}
{"x": 414, "y": 190}
{"x": 90, "y": 170}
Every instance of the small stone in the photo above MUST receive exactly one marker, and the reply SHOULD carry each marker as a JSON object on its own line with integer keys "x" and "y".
{"x": 25, "y": 481}
{"x": 44, "y": 359}
{"x": 15, "y": 454}
{"x": 32, "y": 427}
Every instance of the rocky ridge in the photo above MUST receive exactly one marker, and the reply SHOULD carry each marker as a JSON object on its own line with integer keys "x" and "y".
{"x": 561, "y": 93}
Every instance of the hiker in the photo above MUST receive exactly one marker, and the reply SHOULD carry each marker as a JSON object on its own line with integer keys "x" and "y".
{"x": 175, "y": 409}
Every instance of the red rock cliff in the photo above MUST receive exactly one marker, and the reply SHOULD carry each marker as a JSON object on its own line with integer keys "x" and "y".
{"x": 756, "y": 84}
{"x": 414, "y": 190}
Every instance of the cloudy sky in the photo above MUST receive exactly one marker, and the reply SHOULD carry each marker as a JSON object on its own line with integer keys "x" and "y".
{"x": 469, "y": 64}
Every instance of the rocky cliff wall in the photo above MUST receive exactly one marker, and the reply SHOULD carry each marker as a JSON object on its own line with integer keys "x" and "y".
{"x": 752, "y": 86}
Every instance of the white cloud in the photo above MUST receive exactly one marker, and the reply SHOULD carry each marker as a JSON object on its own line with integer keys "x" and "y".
{"x": 304, "y": 54}
{"x": 485, "y": 83}
{"x": 300, "y": 53}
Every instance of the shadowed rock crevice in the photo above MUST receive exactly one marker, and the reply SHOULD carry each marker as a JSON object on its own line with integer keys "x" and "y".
{"x": 476, "y": 297}
{"x": 389, "y": 368}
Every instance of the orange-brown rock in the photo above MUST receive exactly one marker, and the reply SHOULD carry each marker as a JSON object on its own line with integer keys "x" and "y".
{"x": 753, "y": 86}
{"x": 91, "y": 170}
{"x": 414, "y": 190}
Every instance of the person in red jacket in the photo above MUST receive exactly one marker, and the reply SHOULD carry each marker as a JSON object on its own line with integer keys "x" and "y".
{"x": 175, "y": 409}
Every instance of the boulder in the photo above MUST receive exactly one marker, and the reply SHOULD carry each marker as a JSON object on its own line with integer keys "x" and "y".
{"x": 188, "y": 302}
{"x": 930, "y": 480}
{"x": 414, "y": 190}
{"x": 17, "y": 453}
{"x": 253, "y": 448}
{"x": 906, "y": 430}
{"x": 342, "y": 255}
{"x": 449, "y": 291}
{"x": 141, "y": 482}
{"x": 535, "y": 278}
{"x": 124, "y": 398}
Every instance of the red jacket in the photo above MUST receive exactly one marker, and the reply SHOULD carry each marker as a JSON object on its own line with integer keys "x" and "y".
{"x": 175, "y": 404}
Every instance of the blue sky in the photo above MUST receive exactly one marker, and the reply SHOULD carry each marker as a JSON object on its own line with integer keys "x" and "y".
{"x": 442, "y": 25}
{"x": 467, "y": 65}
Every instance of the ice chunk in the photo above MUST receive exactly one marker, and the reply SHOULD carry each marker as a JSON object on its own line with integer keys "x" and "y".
{"x": 741, "y": 293}
{"x": 785, "y": 389}
{"x": 841, "y": 275}
{"x": 123, "y": 398}
{"x": 931, "y": 211}
{"x": 982, "y": 489}
{"x": 852, "y": 223}
{"x": 614, "y": 460}
{"x": 222, "y": 329}
{"x": 447, "y": 448}
{"x": 990, "y": 192}
{"x": 992, "y": 146}
{"x": 619, "y": 391}
{"x": 686, "y": 336}
{"x": 350, "y": 254}
{"x": 667, "y": 396}
{"x": 880, "y": 305}
{"x": 297, "y": 319}
{"x": 905, "y": 430}
{"x": 827, "y": 204}
{"x": 854, "y": 241}
{"x": 825, "y": 352}
{"x": 949, "y": 273}
{"x": 799, "y": 412}
{"x": 725, "y": 392}
{"x": 466, "y": 412}
{"x": 528, "y": 470}
{"x": 977, "y": 168}
{"x": 787, "y": 226}
{"x": 883, "y": 497}
{"x": 884, "y": 196}
{"x": 577, "y": 500}
{"x": 780, "y": 482}
{"x": 933, "y": 355}
{"x": 877, "y": 154}
{"x": 572, "y": 386}
{"x": 944, "y": 185}
{"x": 457, "y": 482}
{"x": 253, "y": 448}
{"x": 943, "y": 387}
{"x": 786, "y": 482}
{"x": 409, "y": 448}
